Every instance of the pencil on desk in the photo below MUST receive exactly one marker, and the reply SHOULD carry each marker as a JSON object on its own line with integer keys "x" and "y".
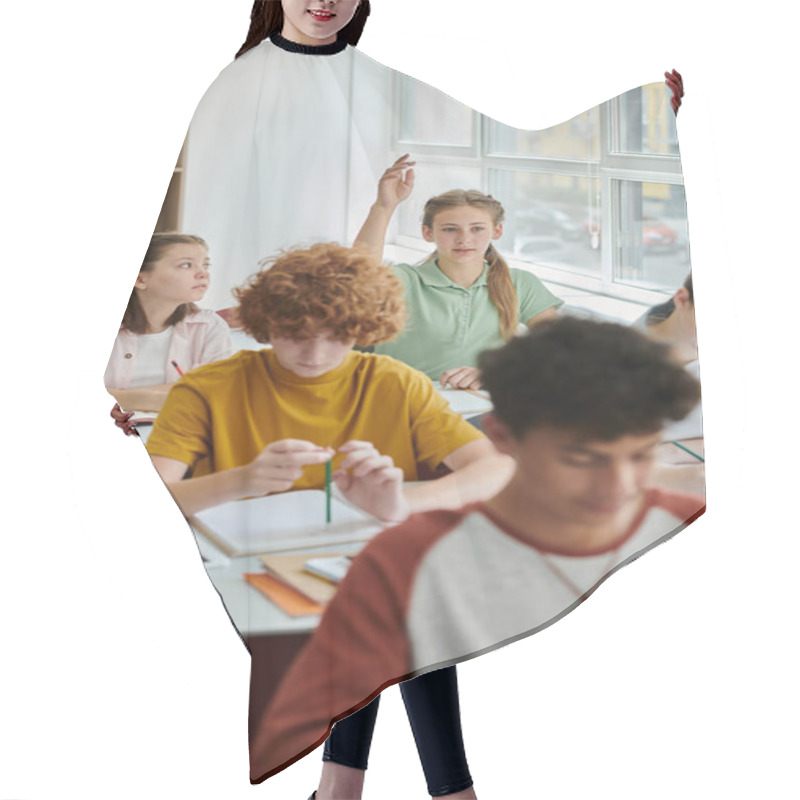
{"x": 690, "y": 452}
{"x": 327, "y": 491}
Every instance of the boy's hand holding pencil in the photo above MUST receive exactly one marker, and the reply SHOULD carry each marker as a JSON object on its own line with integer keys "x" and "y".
{"x": 366, "y": 478}
{"x": 371, "y": 481}
{"x": 279, "y": 465}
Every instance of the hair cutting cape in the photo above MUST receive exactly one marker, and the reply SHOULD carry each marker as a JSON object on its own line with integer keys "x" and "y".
{"x": 286, "y": 149}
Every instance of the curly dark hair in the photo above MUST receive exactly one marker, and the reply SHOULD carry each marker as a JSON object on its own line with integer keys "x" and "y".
{"x": 342, "y": 290}
{"x": 598, "y": 379}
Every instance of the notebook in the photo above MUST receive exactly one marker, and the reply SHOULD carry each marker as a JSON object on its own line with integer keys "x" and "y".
{"x": 466, "y": 401}
{"x": 290, "y": 569}
{"x": 285, "y": 597}
{"x": 287, "y": 521}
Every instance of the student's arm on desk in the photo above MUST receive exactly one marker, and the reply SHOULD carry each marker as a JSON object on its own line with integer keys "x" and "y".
{"x": 366, "y": 478}
{"x": 141, "y": 398}
{"x": 479, "y": 472}
{"x": 275, "y": 469}
{"x": 461, "y": 378}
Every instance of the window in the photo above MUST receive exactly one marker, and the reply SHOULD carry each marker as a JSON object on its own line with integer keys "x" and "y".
{"x": 549, "y": 217}
{"x": 644, "y": 126}
{"x": 431, "y": 121}
{"x": 653, "y": 249}
{"x": 578, "y": 138}
{"x": 596, "y": 202}
{"x": 429, "y": 180}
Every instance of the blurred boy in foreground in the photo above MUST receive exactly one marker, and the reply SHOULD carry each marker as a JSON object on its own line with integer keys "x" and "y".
{"x": 579, "y": 406}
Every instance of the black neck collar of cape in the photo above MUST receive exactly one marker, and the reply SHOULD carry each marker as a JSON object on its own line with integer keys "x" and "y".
{"x": 307, "y": 49}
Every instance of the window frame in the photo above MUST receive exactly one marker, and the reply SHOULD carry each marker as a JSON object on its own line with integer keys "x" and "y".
{"x": 610, "y": 168}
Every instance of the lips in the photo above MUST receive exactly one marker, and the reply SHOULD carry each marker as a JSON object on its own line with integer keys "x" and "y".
{"x": 322, "y": 16}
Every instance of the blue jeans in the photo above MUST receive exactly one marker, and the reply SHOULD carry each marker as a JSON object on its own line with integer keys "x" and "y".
{"x": 432, "y": 706}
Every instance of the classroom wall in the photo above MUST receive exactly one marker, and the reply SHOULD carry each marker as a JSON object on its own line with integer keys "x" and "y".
{"x": 121, "y": 675}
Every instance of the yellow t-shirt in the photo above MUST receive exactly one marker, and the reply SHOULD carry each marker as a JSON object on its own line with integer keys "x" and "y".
{"x": 224, "y": 414}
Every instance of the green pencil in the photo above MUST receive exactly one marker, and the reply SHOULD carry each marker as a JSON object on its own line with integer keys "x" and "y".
{"x": 690, "y": 452}
{"x": 327, "y": 491}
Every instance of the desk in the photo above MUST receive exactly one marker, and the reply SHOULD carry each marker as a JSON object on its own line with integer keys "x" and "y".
{"x": 670, "y": 453}
{"x": 143, "y": 429}
{"x": 680, "y": 471}
{"x": 250, "y": 611}
{"x": 255, "y": 615}
{"x": 273, "y": 637}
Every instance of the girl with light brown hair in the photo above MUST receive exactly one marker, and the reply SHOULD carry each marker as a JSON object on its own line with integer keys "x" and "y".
{"x": 464, "y": 298}
{"x": 163, "y": 333}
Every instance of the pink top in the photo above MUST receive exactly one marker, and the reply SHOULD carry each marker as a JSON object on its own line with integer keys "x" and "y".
{"x": 196, "y": 340}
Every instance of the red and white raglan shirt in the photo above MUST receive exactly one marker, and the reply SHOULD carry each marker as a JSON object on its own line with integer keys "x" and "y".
{"x": 440, "y": 588}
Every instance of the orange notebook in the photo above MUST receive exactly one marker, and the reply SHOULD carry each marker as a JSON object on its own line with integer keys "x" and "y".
{"x": 287, "y": 599}
{"x": 289, "y": 569}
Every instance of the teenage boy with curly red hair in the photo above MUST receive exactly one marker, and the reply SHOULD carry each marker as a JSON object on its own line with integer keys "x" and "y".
{"x": 267, "y": 421}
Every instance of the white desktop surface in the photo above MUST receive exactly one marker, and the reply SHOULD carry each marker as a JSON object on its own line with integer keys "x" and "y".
{"x": 252, "y": 613}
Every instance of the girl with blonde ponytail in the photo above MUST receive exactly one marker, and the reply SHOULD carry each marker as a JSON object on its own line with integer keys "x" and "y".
{"x": 464, "y": 298}
{"x": 498, "y": 279}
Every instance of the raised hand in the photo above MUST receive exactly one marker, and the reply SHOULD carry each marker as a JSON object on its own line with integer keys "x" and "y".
{"x": 279, "y": 465}
{"x": 371, "y": 481}
{"x": 396, "y": 184}
{"x": 674, "y": 82}
{"x": 461, "y": 378}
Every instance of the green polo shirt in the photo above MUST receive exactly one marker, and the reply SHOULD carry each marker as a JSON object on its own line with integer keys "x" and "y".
{"x": 448, "y": 325}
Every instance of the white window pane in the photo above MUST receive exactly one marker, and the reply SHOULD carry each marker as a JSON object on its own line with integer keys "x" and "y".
{"x": 431, "y": 180}
{"x": 550, "y": 218}
{"x": 647, "y": 121}
{"x": 428, "y": 116}
{"x": 577, "y": 138}
{"x": 654, "y": 235}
